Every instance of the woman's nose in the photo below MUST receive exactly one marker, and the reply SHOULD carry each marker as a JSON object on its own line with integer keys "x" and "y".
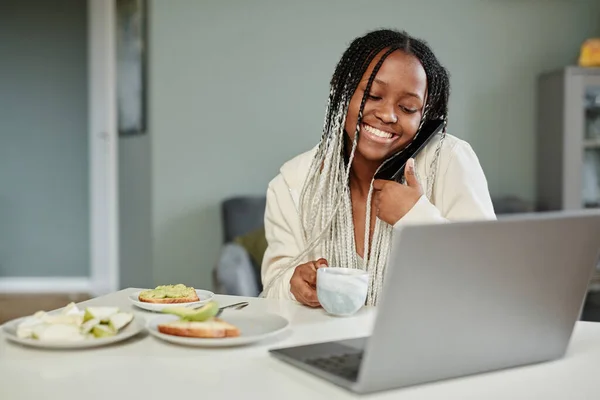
{"x": 387, "y": 114}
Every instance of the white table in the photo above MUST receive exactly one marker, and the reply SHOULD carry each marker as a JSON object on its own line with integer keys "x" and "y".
{"x": 148, "y": 368}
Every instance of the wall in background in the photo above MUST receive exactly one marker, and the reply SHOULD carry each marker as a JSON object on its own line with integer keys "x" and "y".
{"x": 135, "y": 212}
{"x": 240, "y": 87}
{"x": 44, "y": 210}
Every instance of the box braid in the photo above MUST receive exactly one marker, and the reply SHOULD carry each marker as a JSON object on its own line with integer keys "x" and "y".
{"x": 325, "y": 205}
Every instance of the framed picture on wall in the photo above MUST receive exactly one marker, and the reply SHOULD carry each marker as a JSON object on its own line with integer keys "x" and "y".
{"x": 131, "y": 68}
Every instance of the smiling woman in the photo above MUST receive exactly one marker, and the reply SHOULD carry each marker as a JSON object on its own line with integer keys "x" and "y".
{"x": 325, "y": 208}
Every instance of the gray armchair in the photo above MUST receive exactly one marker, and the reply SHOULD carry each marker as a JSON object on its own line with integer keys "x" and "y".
{"x": 236, "y": 272}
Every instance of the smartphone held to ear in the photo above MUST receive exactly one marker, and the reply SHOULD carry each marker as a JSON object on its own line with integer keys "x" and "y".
{"x": 393, "y": 169}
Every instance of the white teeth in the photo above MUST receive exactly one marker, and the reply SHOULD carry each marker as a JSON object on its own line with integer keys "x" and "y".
{"x": 377, "y": 132}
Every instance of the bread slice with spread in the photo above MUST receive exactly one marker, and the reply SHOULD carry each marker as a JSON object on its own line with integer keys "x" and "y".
{"x": 169, "y": 294}
{"x": 212, "y": 328}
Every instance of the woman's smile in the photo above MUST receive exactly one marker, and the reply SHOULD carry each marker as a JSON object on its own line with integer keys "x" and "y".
{"x": 378, "y": 135}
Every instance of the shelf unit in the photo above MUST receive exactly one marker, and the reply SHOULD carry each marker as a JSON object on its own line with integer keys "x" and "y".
{"x": 568, "y": 142}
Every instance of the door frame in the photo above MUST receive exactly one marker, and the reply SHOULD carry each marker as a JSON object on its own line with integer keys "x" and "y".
{"x": 103, "y": 147}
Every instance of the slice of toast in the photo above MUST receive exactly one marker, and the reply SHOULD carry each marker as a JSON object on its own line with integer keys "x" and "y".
{"x": 169, "y": 294}
{"x": 213, "y": 328}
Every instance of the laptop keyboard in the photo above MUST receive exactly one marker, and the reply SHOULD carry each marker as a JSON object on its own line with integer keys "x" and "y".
{"x": 345, "y": 365}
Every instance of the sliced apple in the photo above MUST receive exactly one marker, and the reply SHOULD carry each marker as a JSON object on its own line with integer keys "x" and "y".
{"x": 101, "y": 331}
{"x": 88, "y": 325}
{"x": 71, "y": 319}
{"x": 101, "y": 313}
{"x": 71, "y": 308}
{"x": 119, "y": 321}
{"x": 25, "y": 328}
{"x": 24, "y": 332}
{"x": 38, "y": 330}
{"x": 57, "y": 332}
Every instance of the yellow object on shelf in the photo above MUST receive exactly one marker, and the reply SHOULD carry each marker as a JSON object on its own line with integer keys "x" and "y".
{"x": 590, "y": 53}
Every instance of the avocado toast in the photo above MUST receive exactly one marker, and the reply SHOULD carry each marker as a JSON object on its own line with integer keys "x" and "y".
{"x": 169, "y": 294}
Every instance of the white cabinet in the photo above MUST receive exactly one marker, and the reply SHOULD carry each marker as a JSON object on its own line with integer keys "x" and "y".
{"x": 568, "y": 141}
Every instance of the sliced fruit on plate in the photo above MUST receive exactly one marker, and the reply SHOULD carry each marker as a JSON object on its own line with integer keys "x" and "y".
{"x": 57, "y": 332}
{"x": 101, "y": 331}
{"x": 74, "y": 324}
{"x": 101, "y": 313}
{"x": 25, "y": 328}
{"x": 203, "y": 313}
{"x": 120, "y": 320}
{"x": 66, "y": 319}
{"x": 87, "y": 326}
{"x": 71, "y": 308}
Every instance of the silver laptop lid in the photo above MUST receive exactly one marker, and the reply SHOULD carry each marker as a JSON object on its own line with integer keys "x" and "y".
{"x": 471, "y": 297}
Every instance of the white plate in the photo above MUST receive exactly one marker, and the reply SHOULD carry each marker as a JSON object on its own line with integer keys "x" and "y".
{"x": 253, "y": 327}
{"x": 136, "y": 326}
{"x": 204, "y": 295}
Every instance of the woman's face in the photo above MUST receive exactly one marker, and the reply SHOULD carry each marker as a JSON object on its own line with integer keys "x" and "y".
{"x": 393, "y": 108}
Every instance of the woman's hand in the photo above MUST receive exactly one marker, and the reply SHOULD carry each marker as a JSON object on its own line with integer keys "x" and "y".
{"x": 392, "y": 200}
{"x": 303, "y": 283}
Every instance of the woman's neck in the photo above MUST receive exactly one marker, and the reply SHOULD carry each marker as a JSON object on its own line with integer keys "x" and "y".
{"x": 361, "y": 174}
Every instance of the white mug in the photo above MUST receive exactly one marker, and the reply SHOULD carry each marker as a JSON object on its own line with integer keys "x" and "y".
{"x": 342, "y": 291}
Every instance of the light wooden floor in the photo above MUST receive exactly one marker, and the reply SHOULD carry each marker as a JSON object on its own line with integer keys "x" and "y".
{"x": 20, "y": 305}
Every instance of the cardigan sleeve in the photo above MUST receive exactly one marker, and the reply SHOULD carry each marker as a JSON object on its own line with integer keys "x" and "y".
{"x": 463, "y": 194}
{"x": 282, "y": 246}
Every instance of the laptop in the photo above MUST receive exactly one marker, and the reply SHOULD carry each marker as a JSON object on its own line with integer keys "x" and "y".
{"x": 466, "y": 298}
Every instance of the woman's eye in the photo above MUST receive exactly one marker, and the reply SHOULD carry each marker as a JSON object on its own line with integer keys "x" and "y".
{"x": 409, "y": 110}
{"x": 372, "y": 97}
